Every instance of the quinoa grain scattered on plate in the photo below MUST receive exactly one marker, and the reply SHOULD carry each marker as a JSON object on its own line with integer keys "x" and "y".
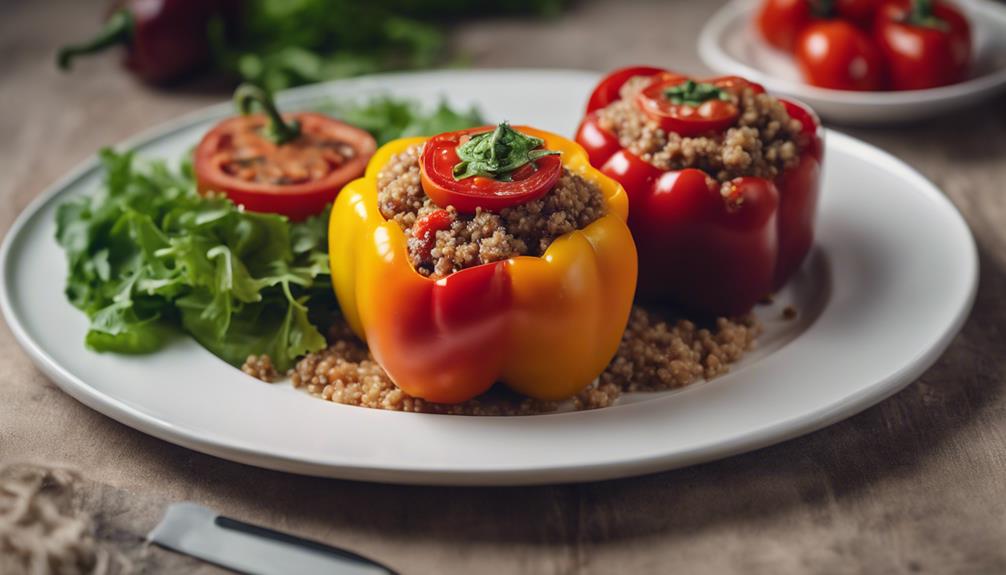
{"x": 655, "y": 354}
{"x": 260, "y": 367}
{"x": 483, "y": 237}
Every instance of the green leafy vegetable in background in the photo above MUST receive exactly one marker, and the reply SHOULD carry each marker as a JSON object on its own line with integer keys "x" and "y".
{"x": 282, "y": 43}
{"x": 387, "y": 118}
{"x": 148, "y": 255}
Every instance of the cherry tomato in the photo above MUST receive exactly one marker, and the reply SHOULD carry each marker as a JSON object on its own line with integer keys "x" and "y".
{"x": 781, "y": 21}
{"x": 607, "y": 91}
{"x": 835, "y": 54}
{"x": 860, "y": 12}
{"x": 925, "y": 44}
{"x": 711, "y": 110}
{"x": 297, "y": 178}
{"x": 436, "y": 166}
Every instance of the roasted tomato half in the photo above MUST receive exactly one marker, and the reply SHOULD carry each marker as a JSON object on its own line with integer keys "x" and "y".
{"x": 294, "y": 173}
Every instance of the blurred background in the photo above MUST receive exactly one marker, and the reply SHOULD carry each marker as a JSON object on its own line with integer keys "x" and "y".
{"x": 199, "y": 50}
{"x": 211, "y": 45}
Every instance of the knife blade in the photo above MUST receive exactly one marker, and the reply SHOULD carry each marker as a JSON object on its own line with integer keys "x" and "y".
{"x": 246, "y": 548}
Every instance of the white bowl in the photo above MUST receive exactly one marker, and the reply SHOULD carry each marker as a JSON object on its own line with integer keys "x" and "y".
{"x": 730, "y": 44}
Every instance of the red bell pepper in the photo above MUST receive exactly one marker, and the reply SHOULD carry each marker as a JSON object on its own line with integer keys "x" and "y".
{"x": 164, "y": 39}
{"x": 707, "y": 248}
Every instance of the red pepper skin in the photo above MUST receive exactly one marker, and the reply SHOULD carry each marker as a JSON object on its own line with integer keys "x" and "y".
{"x": 164, "y": 39}
{"x": 699, "y": 250}
{"x": 799, "y": 189}
{"x": 462, "y": 316}
{"x": 606, "y": 91}
{"x": 169, "y": 38}
{"x": 918, "y": 56}
{"x": 710, "y": 255}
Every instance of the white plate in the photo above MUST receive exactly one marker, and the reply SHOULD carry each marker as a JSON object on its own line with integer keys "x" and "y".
{"x": 889, "y": 284}
{"x": 730, "y": 44}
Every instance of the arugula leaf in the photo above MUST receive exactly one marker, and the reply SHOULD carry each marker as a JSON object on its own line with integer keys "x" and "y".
{"x": 149, "y": 252}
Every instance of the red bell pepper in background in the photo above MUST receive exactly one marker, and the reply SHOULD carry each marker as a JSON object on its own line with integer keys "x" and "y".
{"x": 705, "y": 251}
{"x": 164, "y": 39}
{"x": 926, "y": 44}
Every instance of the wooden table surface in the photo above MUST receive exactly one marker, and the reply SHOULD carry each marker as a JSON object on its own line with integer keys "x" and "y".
{"x": 916, "y": 484}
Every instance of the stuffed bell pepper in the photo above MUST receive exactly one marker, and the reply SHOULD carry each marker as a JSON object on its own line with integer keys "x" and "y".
{"x": 722, "y": 180}
{"x": 494, "y": 254}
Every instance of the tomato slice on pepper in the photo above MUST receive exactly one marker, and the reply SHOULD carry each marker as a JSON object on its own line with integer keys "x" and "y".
{"x": 689, "y": 108}
{"x": 607, "y": 91}
{"x": 437, "y": 169}
{"x": 241, "y": 158}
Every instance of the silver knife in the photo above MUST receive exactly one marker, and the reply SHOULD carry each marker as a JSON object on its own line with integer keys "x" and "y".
{"x": 200, "y": 532}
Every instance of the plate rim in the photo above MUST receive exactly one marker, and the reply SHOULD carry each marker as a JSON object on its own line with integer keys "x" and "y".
{"x": 486, "y": 474}
{"x": 713, "y": 55}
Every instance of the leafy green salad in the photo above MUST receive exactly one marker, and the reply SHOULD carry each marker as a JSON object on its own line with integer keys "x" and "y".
{"x": 149, "y": 256}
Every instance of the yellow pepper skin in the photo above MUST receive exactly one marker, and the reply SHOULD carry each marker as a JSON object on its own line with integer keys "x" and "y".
{"x": 544, "y": 326}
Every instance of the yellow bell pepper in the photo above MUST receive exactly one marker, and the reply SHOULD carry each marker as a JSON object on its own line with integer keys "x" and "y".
{"x": 544, "y": 326}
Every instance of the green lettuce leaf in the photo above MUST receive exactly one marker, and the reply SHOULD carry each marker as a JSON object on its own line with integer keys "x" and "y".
{"x": 148, "y": 256}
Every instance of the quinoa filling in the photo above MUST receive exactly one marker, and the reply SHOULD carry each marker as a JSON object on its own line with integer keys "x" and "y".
{"x": 483, "y": 237}
{"x": 656, "y": 353}
{"x": 763, "y": 142}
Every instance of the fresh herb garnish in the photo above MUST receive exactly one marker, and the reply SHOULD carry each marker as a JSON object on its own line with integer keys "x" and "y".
{"x": 693, "y": 93}
{"x": 498, "y": 154}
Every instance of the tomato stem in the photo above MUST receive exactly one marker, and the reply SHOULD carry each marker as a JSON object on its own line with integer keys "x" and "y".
{"x": 921, "y": 14}
{"x": 118, "y": 30}
{"x": 822, "y": 8}
{"x": 278, "y": 131}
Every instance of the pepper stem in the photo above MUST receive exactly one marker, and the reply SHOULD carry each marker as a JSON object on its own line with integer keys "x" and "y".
{"x": 118, "y": 30}
{"x": 278, "y": 131}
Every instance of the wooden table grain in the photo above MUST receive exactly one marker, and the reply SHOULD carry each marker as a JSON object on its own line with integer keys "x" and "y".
{"x": 916, "y": 484}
